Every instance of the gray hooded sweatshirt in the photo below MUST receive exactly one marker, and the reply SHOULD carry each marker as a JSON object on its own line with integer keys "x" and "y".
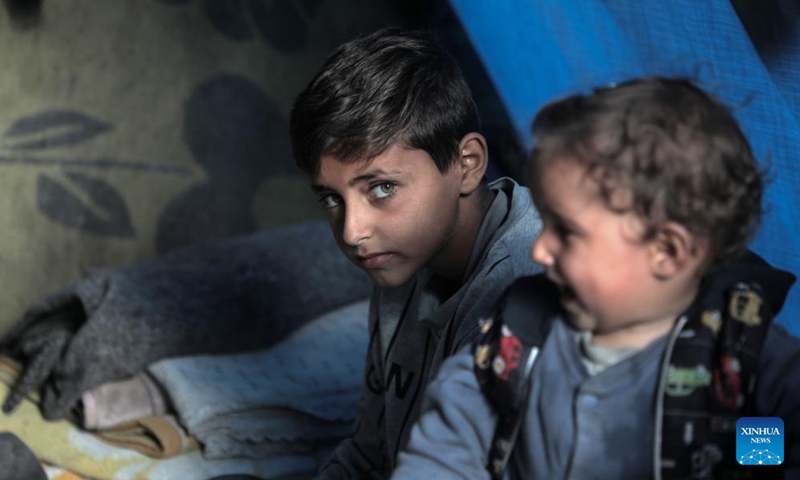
{"x": 416, "y": 326}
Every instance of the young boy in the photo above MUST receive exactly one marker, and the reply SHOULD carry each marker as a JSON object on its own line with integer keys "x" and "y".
{"x": 650, "y": 333}
{"x": 388, "y": 134}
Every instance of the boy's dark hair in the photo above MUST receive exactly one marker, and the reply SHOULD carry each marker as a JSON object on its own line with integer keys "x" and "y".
{"x": 393, "y": 86}
{"x": 678, "y": 151}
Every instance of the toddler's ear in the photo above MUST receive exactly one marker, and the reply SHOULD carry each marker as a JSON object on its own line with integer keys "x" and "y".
{"x": 675, "y": 251}
{"x": 473, "y": 160}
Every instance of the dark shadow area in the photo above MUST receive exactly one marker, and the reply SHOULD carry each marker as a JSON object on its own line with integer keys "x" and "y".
{"x": 773, "y": 27}
{"x": 506, "y": 153}
{"x": 769, "y": 22}
{"x": 24, "y": 14}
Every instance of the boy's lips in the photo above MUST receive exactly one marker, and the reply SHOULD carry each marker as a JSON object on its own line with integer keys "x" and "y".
{"x": 373, "y": 260}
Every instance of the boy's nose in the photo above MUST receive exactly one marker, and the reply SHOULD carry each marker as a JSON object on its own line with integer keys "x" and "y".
{"x": 357, "y": 226}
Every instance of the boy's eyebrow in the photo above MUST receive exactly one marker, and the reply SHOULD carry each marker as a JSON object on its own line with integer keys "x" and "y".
{"x": 320, "y": 188}
{"x": 371, "y": 175}
{"x": 364, "y": 177}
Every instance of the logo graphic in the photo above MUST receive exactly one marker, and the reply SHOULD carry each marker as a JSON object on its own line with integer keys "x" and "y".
{"x": 683, "y": 381}
{"x": 759, "y": 441}
{"x": 745, "y": 305}
{"x": 507, "y": 359}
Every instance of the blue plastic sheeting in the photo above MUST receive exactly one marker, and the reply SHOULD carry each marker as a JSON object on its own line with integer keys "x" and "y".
{"x": 537, "y": 51}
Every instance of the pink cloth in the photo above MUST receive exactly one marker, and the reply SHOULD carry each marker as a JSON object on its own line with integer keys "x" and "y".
{"x": 115, "y": 403}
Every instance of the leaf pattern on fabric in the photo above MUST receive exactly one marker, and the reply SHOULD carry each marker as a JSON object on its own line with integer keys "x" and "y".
{"x": 238, "y": 135}
{"x": 107, "y": 214}
{"x": 229, "y": 18}
{"x": 53, "y": 128}
{"x": 280, "y": 23}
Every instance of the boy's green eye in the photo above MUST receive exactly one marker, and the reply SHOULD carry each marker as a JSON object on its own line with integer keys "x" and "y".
{"x": 383, "y": 190}
{"x": 330, "y": 200}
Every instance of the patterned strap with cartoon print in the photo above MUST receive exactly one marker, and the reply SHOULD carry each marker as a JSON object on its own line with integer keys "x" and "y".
{"x": 710, "y": 383}
{"x": 712, "y": 371}
{"x": 504, "y": 357}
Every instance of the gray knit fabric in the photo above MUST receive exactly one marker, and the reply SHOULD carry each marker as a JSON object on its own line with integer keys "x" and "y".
{"x": 221, "y": 296}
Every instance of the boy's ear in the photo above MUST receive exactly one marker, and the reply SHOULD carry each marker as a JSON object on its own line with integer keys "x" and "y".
{"x": 473, "y": 158}
{"x": 674, "y": 250}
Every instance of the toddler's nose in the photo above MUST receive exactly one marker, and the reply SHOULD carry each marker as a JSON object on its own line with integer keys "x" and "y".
{"x": 540, "y": 253}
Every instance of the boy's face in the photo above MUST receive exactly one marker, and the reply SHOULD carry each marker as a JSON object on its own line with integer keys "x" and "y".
{"x": 392, "y": 215}
{"x": 595, "y": 255}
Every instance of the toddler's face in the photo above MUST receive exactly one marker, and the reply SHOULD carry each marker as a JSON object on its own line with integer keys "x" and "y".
{"x": 596, "y": 256}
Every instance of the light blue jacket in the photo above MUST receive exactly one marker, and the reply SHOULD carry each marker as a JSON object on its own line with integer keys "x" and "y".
{"x": 576, "y": 426}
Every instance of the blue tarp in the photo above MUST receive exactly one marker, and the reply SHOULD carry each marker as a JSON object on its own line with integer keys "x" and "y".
{"x": 538, "y": 50}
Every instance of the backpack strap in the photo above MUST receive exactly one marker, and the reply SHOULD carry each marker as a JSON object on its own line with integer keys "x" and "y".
{"x": 709, "y": 385}
{"x": 504, "y": 356}
{"x": 713, "y": 370}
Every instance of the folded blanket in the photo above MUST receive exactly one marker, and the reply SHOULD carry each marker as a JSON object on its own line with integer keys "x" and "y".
{"x": 221, "y": 296}
{"x": 268, "y": 433}
{"x": 288, "y": 398}
{"x": 58, "y": 473}
{"x": 155, "y": 436}
{"x": 62, "y": 444}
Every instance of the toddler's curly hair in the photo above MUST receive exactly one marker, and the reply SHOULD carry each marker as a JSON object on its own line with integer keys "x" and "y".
{"x": 678, "y": 151}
